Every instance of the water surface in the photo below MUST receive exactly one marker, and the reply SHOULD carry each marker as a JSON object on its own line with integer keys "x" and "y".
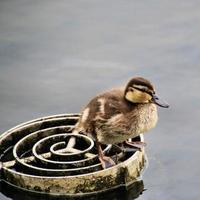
{"x": 56, "y": 55}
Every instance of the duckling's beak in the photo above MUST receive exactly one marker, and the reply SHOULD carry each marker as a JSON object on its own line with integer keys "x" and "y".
{"x": 159, "y": 102}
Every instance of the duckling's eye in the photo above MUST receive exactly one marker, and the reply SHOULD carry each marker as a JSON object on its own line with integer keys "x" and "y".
{"x": 149, "y": 92}
{"x": 144, "y": 90}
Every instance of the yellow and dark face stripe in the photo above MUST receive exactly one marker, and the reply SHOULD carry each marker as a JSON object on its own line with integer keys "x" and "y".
{"x": 140, "y": 90}
{"x": 143, "y": 88}
{"x": 140, "y": 83}
{"x": 138, "y": 95}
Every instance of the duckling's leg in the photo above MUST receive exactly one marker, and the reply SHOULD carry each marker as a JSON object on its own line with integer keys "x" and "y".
{"x": 124, "y": 149}
{"x": 136, "y": 144}
{"x": 105, "y": 161}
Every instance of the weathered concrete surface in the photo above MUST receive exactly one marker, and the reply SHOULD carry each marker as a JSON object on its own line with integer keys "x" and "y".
{"x": 72, "y": 178}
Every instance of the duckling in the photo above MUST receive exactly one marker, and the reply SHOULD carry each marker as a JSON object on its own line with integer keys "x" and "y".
{"x": 119, "y": 114}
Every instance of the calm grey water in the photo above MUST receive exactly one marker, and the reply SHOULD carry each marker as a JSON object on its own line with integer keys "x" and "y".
{"x": 56, "y": 55}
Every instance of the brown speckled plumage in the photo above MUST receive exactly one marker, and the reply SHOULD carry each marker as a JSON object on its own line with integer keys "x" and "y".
{"x": 119, "y": 114}
{"x": 120, "y": 120}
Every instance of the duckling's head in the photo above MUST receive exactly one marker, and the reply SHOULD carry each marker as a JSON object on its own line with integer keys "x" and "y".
{"x": 140, "y": 90}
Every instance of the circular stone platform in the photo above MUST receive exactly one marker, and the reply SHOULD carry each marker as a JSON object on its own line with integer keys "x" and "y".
{"x": 43, "y": 155}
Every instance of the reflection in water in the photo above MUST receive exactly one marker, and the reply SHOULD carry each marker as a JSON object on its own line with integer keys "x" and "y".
{"x": 131, "y": 192}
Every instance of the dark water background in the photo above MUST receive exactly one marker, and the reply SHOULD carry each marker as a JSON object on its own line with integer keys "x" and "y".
{"x": 56, "y": 55}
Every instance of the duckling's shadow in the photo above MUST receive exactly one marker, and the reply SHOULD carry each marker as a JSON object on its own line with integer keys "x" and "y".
{"x": 131, "y": 192}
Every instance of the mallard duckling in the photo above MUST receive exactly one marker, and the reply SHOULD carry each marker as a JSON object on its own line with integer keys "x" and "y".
{"x": 119, "y": 114}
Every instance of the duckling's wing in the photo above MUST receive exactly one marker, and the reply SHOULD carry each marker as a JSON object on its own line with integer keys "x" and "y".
{"x": 113, "y": 106}
{"x": 111, "y": 103}
{"x": 102, "y": 108}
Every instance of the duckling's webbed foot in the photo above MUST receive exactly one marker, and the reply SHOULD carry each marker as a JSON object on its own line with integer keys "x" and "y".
{"x": 106, "y": 161}
{"x": 138, "y": 145}
{"x": 124, "y": 148}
